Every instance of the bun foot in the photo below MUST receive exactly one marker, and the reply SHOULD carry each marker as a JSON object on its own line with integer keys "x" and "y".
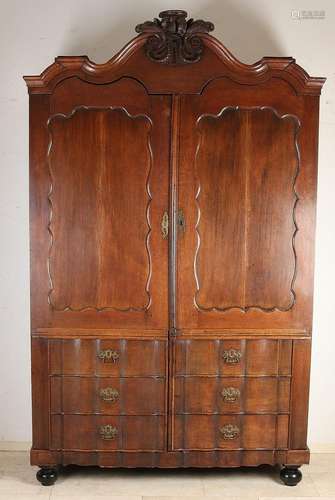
{"x": 290, "y": 476}
{"x": 47, "y": 476}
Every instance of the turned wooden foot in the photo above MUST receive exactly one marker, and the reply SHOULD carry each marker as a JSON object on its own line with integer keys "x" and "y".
{"x": 47, "y": 475}
{"x": 290, "y": 476}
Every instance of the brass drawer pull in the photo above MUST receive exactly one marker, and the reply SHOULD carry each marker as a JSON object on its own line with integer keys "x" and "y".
{"x": 109, "y": 394}
{"x": 108, "y": 356}
{"x": 232, "y": 356}
{"x": 230, "y": 394}
{"x": 229, "y": 432}
{"x": 108, "y": 432}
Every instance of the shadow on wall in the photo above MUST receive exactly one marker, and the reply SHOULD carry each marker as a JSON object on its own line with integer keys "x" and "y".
{"x": 238, "y": 25}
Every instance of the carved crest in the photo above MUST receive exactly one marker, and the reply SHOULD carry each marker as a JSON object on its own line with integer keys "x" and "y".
{"x": 174, "y": 40}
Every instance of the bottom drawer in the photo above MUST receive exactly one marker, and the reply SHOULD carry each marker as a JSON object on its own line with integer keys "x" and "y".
{"x": 230, "y": 432}
{"x": 79, "y": 432}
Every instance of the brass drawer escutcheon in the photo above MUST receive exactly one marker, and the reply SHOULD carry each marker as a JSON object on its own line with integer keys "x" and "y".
{"x": 232, "y": 356}
{"x": 108, "y": 432}
{"x": 108, "y": 356}
{"x": 230, "y": 394}
{"x": 229, "y": 432}
{"x": 109, "y": 394}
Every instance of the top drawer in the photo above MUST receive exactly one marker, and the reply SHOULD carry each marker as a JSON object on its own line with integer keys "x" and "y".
{"x": 233, "y": 357}
{"x": 115, "y": 357}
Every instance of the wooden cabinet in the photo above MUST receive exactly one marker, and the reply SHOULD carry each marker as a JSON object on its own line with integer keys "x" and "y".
{"x": 172, "y": 213}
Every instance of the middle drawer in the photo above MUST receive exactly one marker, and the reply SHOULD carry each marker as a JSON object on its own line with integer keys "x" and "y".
{"x": 206, "y": 395}
{"x": 108, "y": 395}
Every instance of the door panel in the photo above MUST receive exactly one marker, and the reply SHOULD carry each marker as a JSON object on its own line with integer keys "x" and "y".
{"x": 106, "y": 190}
{"x": 97, "y": 183}
{"x": 238, "y": 176}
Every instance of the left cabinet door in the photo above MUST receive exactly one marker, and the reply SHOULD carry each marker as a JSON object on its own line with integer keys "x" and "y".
{"x": 99, "y": 192}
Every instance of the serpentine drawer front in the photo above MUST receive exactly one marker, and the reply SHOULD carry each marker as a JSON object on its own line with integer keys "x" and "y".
{"x": 172, "y": 217}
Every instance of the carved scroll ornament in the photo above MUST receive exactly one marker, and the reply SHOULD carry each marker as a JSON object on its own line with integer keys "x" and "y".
{"x": 174, "y": 40}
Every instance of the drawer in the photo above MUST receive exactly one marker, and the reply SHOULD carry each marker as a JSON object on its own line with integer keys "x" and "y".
{"x": 230, "y": 432}
{"x": 233, "y": 357}
{"x": 231, "y": 395}
{"x": 114, "y": 357}
{"x": 96, "y": 432}
{"x": 107, "y": 395}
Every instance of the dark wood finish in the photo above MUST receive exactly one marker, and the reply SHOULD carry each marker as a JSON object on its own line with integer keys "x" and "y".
{"x": 105, "y": 395}
{"x": 135, "y": 357}
{"x": 257, "y": 357}
{"x": 232, "y": 395}
{"x": 203, "y": 432}
{"x": 184, "y": 344}
{"x": 170, "y": 459}
{"x": 82, "y": 432}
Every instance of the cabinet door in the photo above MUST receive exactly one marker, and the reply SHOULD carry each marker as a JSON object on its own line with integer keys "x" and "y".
{"x": 99, "y": 192}
{"x": 245, "y": 191}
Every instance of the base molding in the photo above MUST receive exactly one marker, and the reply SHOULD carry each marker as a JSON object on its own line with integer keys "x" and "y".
{"x": 170, "y": 459}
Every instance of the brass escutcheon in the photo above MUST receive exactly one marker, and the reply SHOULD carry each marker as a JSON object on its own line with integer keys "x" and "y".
{"x": 229, "y": 432}
{"x": 230, "y": 394}
{"x": 165, "y": 225}
{"x": 109, "y": 394}
{"x": 108, "y": 432}
{"x": 232, "y": 356}
{"x": 108, "y": 356}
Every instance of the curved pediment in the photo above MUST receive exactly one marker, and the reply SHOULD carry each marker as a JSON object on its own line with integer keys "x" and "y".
{"x": 175, "y": 55}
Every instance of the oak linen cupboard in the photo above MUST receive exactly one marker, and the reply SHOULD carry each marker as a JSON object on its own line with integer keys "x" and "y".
{"x": 172, "y": 210}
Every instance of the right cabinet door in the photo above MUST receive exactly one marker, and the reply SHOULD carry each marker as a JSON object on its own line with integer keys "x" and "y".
{"x": 244, "y": 252}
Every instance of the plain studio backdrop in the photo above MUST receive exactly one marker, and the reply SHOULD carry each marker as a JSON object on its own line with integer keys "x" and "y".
{"x": 32, "y": 33}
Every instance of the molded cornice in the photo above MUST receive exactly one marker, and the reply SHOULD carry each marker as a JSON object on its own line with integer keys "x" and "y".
{"x": 130, "y": 60}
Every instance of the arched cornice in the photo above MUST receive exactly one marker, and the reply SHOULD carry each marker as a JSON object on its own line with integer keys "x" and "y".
{"x": 216, "y": 61}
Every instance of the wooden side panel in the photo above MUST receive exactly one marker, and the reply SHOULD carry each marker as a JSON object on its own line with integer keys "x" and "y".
{"x": 40, "y": 393}
{"x": 300, "y": 394}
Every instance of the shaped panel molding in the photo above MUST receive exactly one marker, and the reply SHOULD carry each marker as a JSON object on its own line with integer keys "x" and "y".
{"x": 99, "y": 198}
{"x": 247, "y": 163}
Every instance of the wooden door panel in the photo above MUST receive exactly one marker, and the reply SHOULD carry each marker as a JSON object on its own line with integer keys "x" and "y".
{"x": 105, "y": 183}
{"x": 246, "y": 165}
{"x": 101, "y": 245}
{"x": 241, "y": 182}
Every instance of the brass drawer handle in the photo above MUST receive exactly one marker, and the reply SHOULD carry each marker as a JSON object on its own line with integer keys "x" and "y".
{"x": 109, "y": 394}
{"x": 230, "y": 394}
{"x": 229, "y": 432}
{"x": 108, "y": 432}
{"x": 232, "y": 356}
{"x": 108, "y": 356}
{"x": 165, "y": 225}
